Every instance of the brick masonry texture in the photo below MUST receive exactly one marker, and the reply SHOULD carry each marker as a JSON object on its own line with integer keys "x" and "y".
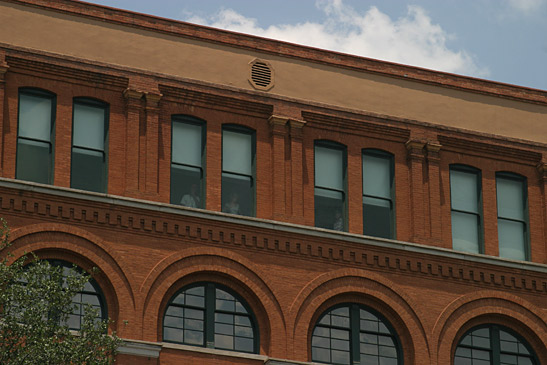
{"x": 288, "y": 273}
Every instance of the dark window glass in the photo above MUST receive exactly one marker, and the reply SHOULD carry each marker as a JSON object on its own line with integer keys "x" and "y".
{"x": 238, "y": 181}
{"x": 378, "y": 216}
{"x": 493, "y": 344}
{"x": 352, "y": 334}
{"x": 512, "y": 216}
{"x": 89, "y": 141}
{"x": 211, "y": 316}
{"x": 466, "y": 212}
{"x": 330, "y": 186}
{"x": 35, "y": 136}
{"x": 187, "y": 161}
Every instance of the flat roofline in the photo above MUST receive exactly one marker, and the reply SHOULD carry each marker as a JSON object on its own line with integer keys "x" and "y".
{"x": 268, "y": 224}
{"x": 286, "y": 49}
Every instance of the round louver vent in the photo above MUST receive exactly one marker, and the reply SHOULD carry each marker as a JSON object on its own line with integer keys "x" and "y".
{"x": 261, "y": 75}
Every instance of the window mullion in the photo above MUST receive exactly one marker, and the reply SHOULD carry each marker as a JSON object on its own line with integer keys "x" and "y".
{"x": 354, "y": 333}
{"x": 210, "y": 300}
{"x": 495, "y": 344}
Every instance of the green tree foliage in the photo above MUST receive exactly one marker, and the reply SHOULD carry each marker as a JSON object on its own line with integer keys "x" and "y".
{"x": 35, "y": 303}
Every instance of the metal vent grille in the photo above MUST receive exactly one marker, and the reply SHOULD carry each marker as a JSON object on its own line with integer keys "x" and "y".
{"x": 261, "y": 75}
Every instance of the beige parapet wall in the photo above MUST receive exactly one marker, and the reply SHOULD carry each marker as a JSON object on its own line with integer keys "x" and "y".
{"x": 311, "y": 82}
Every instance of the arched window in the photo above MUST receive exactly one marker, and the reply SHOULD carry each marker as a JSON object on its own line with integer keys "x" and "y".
{"x": 353, "y": 334}
{"x": 492, "y": 344}
{"x": 91, "y": 294}
{"x": 210, "y": 315}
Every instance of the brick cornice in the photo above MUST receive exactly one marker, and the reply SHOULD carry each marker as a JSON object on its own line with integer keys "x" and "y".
{"x": 34, "y": 67}
{"x": 44, "y": 204}
{"x": 289, "y": 50}
{"x": 480, "y": 148}
{"x": 215, "y": 101}
{"x": 369, "y": 127}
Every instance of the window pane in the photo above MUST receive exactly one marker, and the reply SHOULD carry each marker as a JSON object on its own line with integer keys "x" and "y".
{"x": 88, "y": 170}
{"x": 377, "y": 217}
{"x": 237, "y": 194}
{"x": 237, "y": 152}
{"x": 511, "y": 237}
{"x": 33, "y": 161}
{"x": 329, "y": 209}
{"x": 463, "y": 191}
{"x": 465, "y": 232}
{"x": 35, "y": 117}
{"x": 329, "y": 168}
{"x": 186, "y": 186}
{"x": 377, "y": 176}
{"x": 88, "y": 126}
{"x": 510, "y": 198}
{"x": 187, "y": 140}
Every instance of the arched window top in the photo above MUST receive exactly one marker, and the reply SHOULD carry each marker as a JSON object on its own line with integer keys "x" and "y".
{"x": 210, "y": 315}
{"x": 37, "y": 91}
{"x": 240, "y": 128}
{"x": 378, "y": 152}
{"x": 464, "y": 167}
{"x": 351, "y": 334}
{"x": 91, "y": 101}
{"x": 510, "y": 175}
{"x": 330, "y": 144}
{"x": 493, "y": 344}
{"x": 186, "y": 118}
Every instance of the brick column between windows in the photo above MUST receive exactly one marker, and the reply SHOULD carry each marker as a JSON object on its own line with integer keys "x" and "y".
{"x": 538, "y": 253}
{"x": 296, "y": 181}
{"x": 3, "y": 69}
{"x": 434, "y": 177}
{"x": 152, "y": 145}
{"x": 278, "y": 129}
{"x": 133, "y": 110}
{"x": 416, "y": 161}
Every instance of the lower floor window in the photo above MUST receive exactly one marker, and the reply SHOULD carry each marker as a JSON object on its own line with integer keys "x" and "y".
{"x": 491, "y": 344}
{"x": 210, "y": 316}
{"x": 353, "y": 334}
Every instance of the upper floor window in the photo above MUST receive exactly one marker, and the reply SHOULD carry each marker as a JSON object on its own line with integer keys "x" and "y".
{"x": 353, "y": 334}
{"x": 512, "y": 216}
{"x": 465, "y": 201}
{"x": 35, "y": 136}
{"x": 492, "y": 344}
{"x": 238, "y": 170}
{"x": 89, "y": 140}
{"x": 212, "y": 316}
{"x": 378, "y": 194}
{"x": 330, "y": 185}
{"x": 187, "y": 161}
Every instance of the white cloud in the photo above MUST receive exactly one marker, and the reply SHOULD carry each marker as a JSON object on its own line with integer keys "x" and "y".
{"x": 413, "y": 39}
{"x": 527, "y": 6}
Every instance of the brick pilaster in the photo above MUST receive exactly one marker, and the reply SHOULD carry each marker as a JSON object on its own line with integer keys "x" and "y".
{"x": 152, "y": 145}
{"x": 133, "y": 111}
{"x": 416, "y": 161}
{"x": 434, "y": 178}
{"x": 297, "y": 170}
{"x": 278, "y": 134}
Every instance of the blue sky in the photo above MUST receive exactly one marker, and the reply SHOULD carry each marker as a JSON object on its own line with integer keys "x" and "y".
{"x": 500, "y": 40}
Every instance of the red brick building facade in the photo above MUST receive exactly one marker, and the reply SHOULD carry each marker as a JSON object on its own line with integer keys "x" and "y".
{"x": 464, "y": 160}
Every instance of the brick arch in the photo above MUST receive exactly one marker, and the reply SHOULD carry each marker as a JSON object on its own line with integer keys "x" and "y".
{"x": 488, "y": 307}
{"x": 219, "y": 266}
{"x": 73, "y": 244}
{"x": 362, "y": 287}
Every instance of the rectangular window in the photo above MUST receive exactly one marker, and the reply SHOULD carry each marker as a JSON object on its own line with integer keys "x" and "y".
{"x": 378, "y": 217}
{"x": 89, "y": 153}
{"x": 330, "y": 186}
{"x": 35, "y": 136}
{"x": 512, "y": 216}
{"x": 238, "y": 182}
{"x": 187, "y": 161}
{"x": 465, "y": 200}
